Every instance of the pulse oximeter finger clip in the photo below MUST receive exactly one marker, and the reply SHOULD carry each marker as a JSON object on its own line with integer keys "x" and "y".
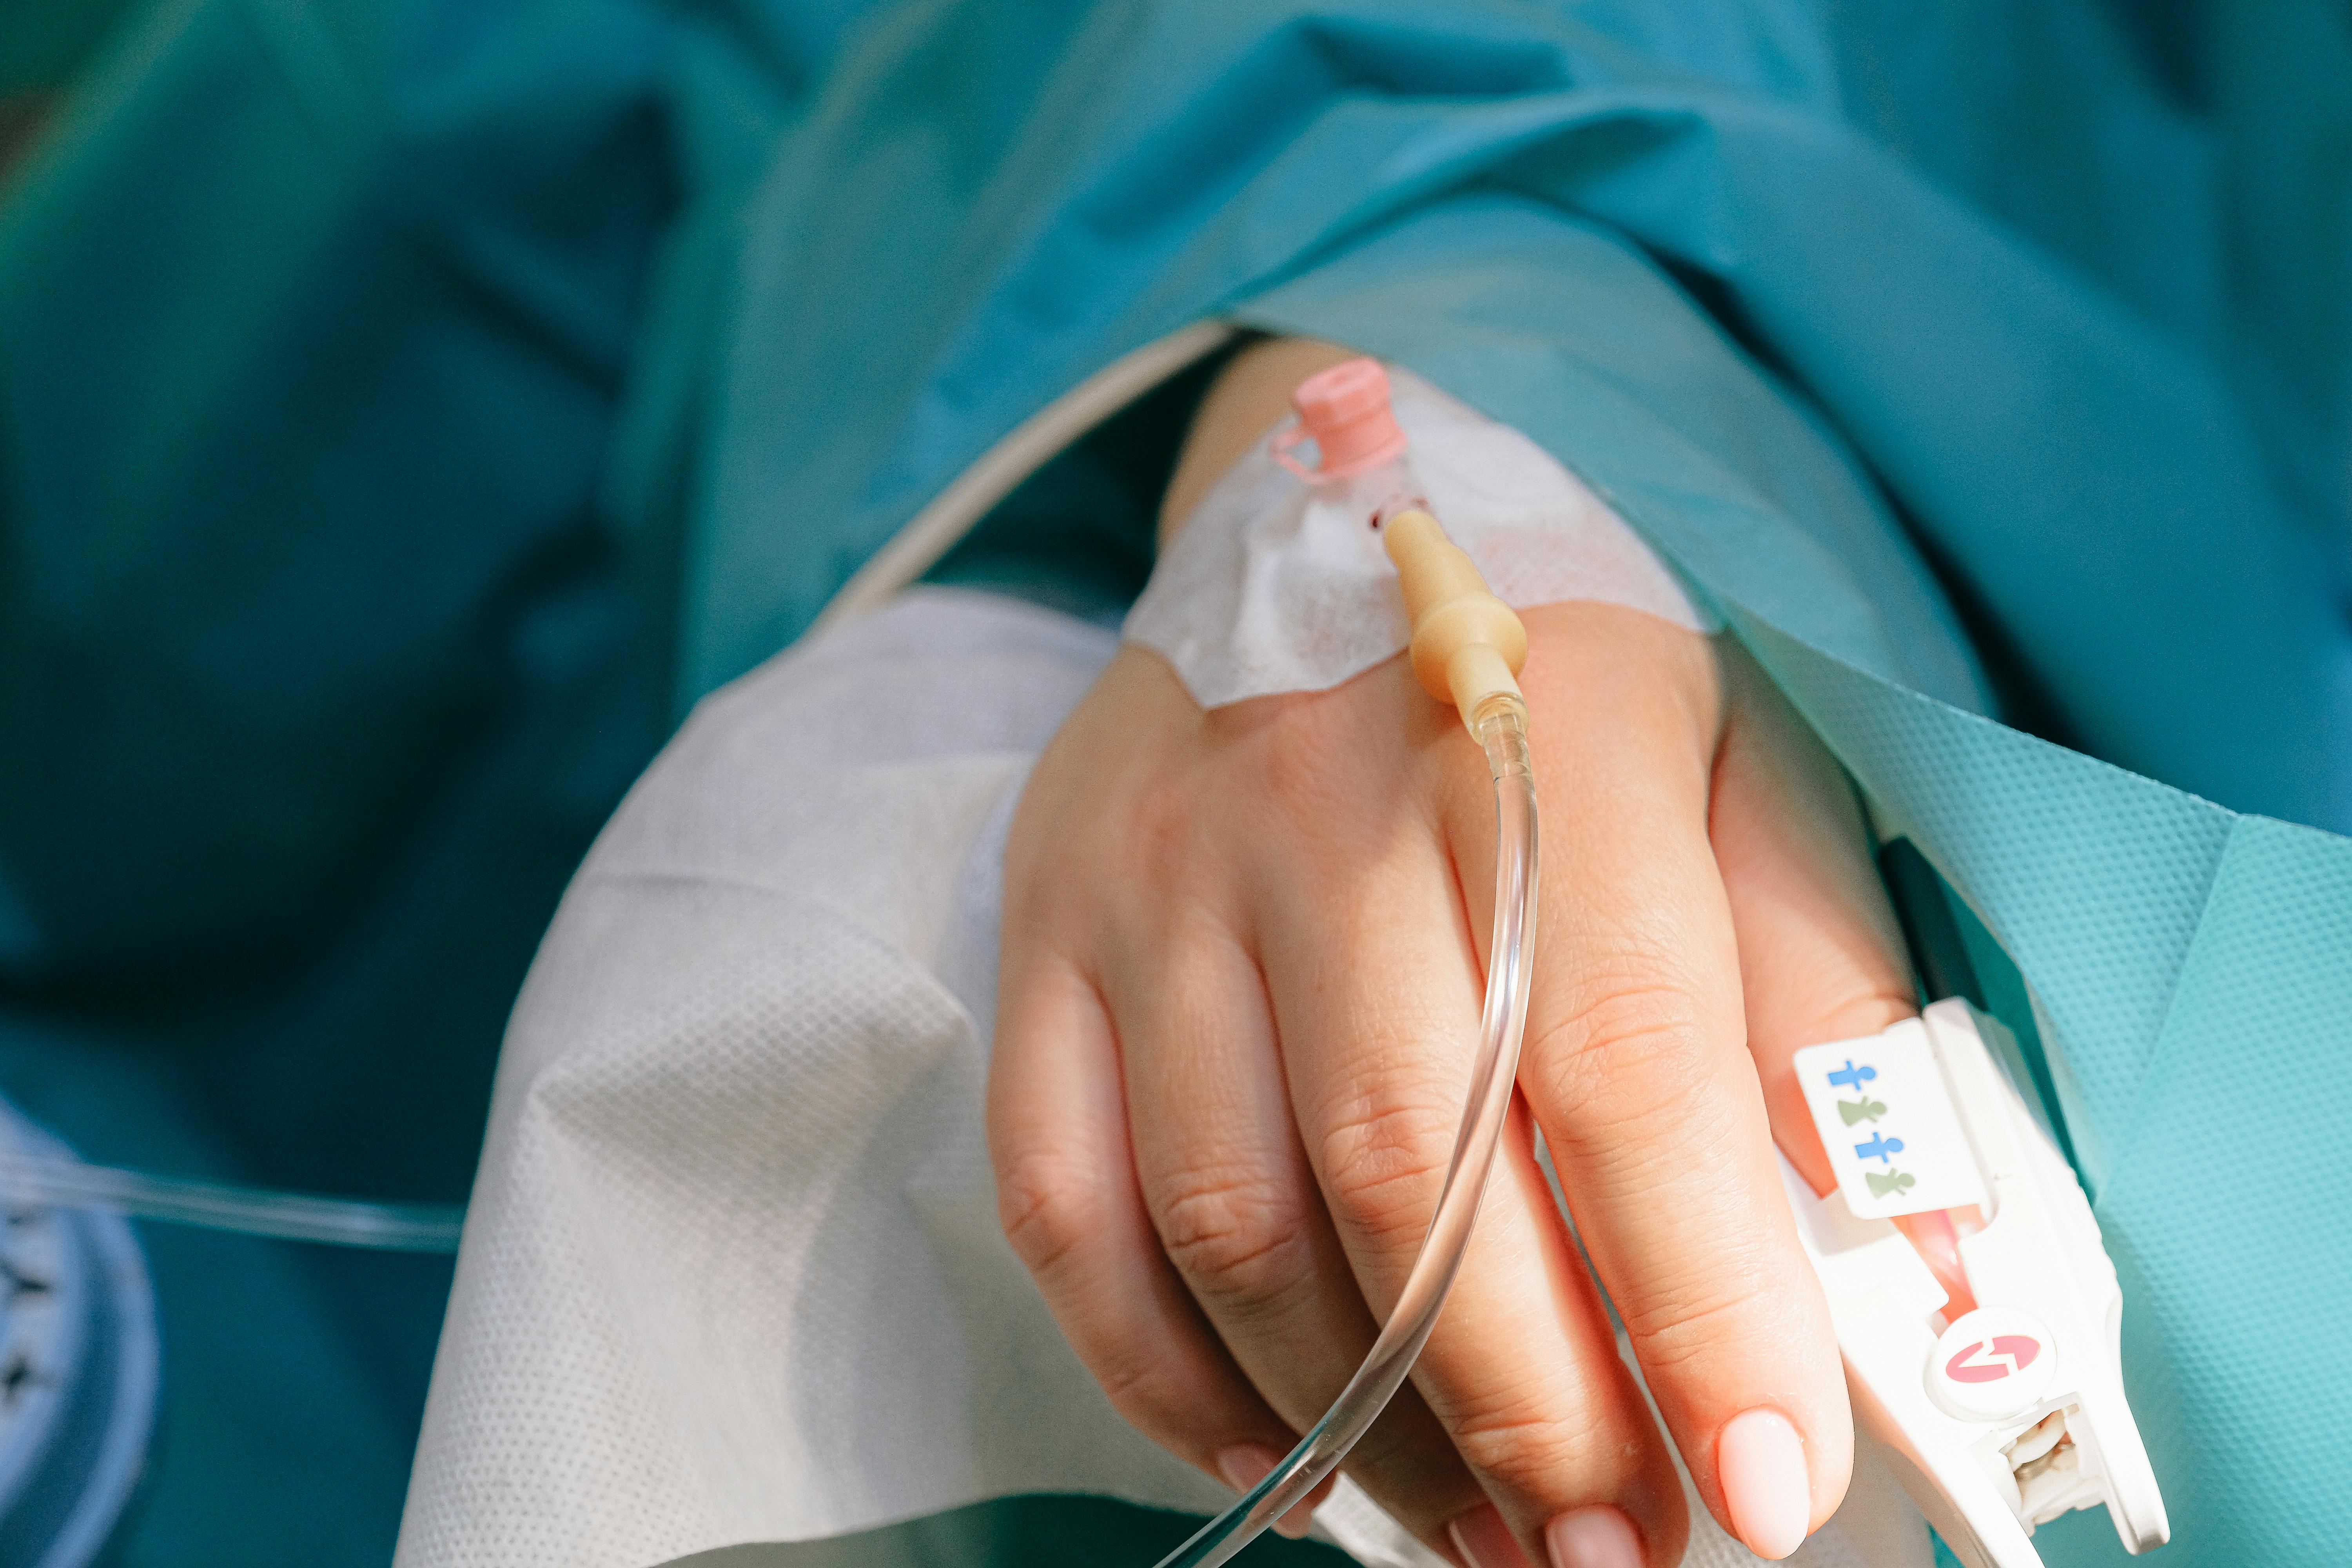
{"x": 2010, "y": 1414}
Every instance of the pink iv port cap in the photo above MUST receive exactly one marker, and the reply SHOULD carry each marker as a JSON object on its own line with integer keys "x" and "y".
{"x": 1345, "y": 412}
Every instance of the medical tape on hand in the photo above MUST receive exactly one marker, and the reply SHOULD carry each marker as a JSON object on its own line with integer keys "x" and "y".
{"x": 1275, "y": 585}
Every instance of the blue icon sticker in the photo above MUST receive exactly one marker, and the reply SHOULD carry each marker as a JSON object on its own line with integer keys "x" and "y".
{"x": 1851, "y": 1077}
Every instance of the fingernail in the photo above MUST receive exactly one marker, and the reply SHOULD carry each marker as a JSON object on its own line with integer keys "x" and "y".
{"x": 1243, "y": 1466}
{"x": 1597, "y": 1536}
{"x": 1485, "y": 1541}
{"x": 1760, "y": 1461}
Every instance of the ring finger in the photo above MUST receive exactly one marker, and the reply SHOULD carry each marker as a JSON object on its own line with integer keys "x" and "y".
{"x": 1232, "y": 1195}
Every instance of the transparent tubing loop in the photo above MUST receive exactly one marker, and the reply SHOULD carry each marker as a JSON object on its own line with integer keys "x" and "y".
{"x": 1500, "y": 725}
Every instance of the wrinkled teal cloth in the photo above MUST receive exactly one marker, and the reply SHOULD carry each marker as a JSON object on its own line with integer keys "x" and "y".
{"x": 319, "y": 665}
{"x": 407, "y": 407}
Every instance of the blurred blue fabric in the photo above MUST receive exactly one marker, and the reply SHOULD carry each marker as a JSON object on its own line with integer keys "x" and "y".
{"x": 408, "y": 406}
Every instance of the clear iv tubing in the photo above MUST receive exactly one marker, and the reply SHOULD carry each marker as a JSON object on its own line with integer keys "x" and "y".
{"x": 43, "y": 1179}
{"x": 1500, "y": 725}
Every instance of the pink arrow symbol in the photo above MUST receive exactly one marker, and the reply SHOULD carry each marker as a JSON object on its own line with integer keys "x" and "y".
{"x": 1992, "y": 1360}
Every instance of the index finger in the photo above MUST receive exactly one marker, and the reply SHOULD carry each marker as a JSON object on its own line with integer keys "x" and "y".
{"x": 1374, "y": 980}
{"x": 1636, "y": 1067}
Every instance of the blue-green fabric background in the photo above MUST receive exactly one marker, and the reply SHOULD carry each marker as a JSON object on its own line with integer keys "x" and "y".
{"x": 408, "y": 406}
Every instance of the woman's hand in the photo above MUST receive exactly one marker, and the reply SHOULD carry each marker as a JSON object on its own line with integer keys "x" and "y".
{"x": 1242, "y": 959}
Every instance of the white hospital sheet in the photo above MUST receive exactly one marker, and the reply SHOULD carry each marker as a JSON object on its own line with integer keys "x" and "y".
{"x": 732, "y": 1270}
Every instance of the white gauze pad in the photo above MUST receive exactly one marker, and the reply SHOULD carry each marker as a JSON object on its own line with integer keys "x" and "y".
{"x": 1273, "y": 586}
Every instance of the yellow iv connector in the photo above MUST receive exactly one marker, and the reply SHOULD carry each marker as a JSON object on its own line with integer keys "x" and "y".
{"x": 1467, "y": 645}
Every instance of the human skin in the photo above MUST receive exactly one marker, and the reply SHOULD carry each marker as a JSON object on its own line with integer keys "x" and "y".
{"x": 1243, "y": 956}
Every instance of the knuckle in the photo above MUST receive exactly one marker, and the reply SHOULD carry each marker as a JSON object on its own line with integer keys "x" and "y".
{"x": 1237, "y": 1236}
{"x": 1514, "y": 1439}
{"x": 1036, "y": 912}
{"x": 1384, "y": 1156}
{"x": 1039, "y": 909}
{"x": 1618, "y": 1041}
{"x": 1047, "y": 1206}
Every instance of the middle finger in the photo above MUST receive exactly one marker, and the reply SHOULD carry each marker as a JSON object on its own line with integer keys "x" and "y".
{"x": 1376, "y": 989}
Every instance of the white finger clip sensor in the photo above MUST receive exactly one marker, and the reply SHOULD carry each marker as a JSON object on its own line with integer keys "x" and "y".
{"x": 2003, "y": 1417}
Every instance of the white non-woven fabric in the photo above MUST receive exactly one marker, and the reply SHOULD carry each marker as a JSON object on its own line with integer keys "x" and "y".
{"x": 732, "y": 1271}
{"x": 1274, "y": 584}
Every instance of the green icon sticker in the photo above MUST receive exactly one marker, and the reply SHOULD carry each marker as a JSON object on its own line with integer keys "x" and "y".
{"x": 1891, "y": 1184}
